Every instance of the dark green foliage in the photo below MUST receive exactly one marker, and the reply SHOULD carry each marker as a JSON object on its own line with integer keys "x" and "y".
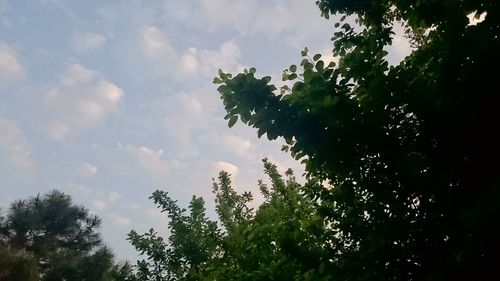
{"x": 17, "y": 265}
{"x": 54, "y": 240}
{"x": 72, "y": 265}
{"x": 193, "y": 241}
{"x": 411, "y": 150}
{"x": 123, "y": 272}
{"x": 284, "y": 239}
{"x": 51, "y": 222}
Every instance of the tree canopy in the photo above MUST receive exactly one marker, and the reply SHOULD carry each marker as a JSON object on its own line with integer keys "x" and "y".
{"x": 409, "y": 151}
{"x": 48, "y": 238}
{"x": 284, "y": 239}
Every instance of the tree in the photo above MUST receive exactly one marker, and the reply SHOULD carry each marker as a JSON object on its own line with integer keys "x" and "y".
{"x": 284, "y": 239}
{"x": 17, "y": 265}
{"x": 78, "y": 266}
{"x": 193, "y": 241}
{"x": 123, "y": 272}
{"x": 48, "y": 223}
{"x": 55, "y": 239}
{"x": 408, "y": 151}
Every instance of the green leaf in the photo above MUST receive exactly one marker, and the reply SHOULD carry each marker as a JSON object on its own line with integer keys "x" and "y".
{"x": 335, "y": 100}
{"x": 299, "y": 155}
{"x": 321, "y": 268}
{"x": 293, "y": 68}
{"x": 217, "y": 80}
{"x": 320, "y": 65}
{"x": 260, "y": 132}
{"x": 252, "y": 70}
{"x": 224, "y": 89}
{"x": 284, "y": 88}
{"x": 284, "y": 76}
{"x": 308, "y": 65}
{"x": 245, "y": 116}
{"x": 298, "y": 87}
{"x": 316, "y": 57}
{"x": 304, "y": 52}
{"x": 328, "y": 73}
{"x": 232, "y": 121}
{"x": 327, "y": 100}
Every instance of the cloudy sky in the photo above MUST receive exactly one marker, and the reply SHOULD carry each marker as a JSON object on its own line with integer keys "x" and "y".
{"x": 110, "y": 100}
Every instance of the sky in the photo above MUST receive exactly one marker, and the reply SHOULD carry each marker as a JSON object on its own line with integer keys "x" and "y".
{"x": 108, "y": 101}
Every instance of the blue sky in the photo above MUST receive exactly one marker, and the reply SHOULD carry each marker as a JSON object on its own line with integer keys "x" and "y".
{"x": 111, "y": 100}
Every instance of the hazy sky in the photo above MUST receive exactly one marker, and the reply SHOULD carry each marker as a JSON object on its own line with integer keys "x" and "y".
{"x": 110, "y": 100}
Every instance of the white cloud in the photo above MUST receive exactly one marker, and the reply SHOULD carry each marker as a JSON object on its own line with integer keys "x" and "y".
{"x": 227, "y": 58}
{"x": 189, "y": 61}
{"x": 101, "y": 200}
{"x": 237, "y": 14}
{"x": 239, "y": 145}
{"x": 208, "y": 61}
{"x": 193, "y": 62}
{"x": 204, "y": 63}
{"x": 155, "y": 44}
{"x": 149, "y": 159}
{"x": 292, "y": 21}
{"x": 87, "y": 41}
{"x": 290, "y": 16}
{"x": 15, "y": 145}
{"x": 186, "y": 114}
{"x": 99, "y": 205}
{"x": 88, "y": 170}
{"x": 228, "y": 167}
{"x": 95, "y": 199}
{"x": 119, "y": 220}
{"x": 10, "y": 67}
{"x": 80, "y": 189}
{"x": 113, "y": 196}
{"x": 79, "y": 101}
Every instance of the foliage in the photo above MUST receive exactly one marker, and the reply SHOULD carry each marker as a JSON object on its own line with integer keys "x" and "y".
{"x": 284, "y": 239}
{"x": 49, "y": 238}
{"x": 192, "y": 242}
{"x": 17, "y": 265}
{"x": 72, "y": 265}
{"x": 48, "y": 223}
{"x": 408, "y": 148}
{"x": 123, "y": 272}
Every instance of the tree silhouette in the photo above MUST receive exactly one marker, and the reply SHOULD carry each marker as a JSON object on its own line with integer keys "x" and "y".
{"x": 409, "y": 152}
{"x": 51, "y": 239}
